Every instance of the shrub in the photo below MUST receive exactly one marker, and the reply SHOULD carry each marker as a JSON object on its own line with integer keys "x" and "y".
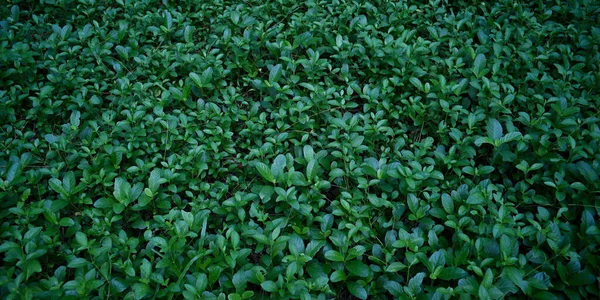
{"x": 311, "y": 149}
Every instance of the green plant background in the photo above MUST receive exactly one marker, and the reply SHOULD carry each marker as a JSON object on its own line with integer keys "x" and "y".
{"x": 299, "y": 150}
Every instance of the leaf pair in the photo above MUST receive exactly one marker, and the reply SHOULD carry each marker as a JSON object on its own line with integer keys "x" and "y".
{"x": 495, "y": 135}
{"x": 275, "y": 171}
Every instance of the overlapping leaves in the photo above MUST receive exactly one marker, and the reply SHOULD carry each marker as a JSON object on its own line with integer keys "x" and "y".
{"x": 282, "y": 149}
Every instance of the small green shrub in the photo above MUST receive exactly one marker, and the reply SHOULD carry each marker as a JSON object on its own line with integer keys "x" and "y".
{"x": 298, "y": 150}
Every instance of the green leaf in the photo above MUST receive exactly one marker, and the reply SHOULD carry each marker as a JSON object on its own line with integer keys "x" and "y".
{"x": 154, "y": 180}
{"x": 75, "y": 118}
{"x": 516, "y": 276}
{"x": 339, "y": 41}
{"x": 592, "y": 230}
{"x": 296, "y": 245}
{"x": 311, "y": 170}
{"x": 118, "y": 208}
{"x": 417, "y": 83}
{"x": 77, "y": 263}
{"x": 447, "y": 203}
{"x": 578, "y": 186}
{"x": 483, "y": 293}
{"x": 69, "y": 182}
{"x": 207, "y": 76}
{"x": 488, "y": 279}
{"x": 459, "y": 88}
{"x": 479, "y": 64}
{"x": 414, "y": 284}
{"x": 395, "y": 267}
{"x": 394, "y": 288}
{"x": 358, "y": 268}
{"x": 278, "y": 165}
{"x": 475, "y": 198}
{"x": 507, "y": 245}
{"x": 357, "y": 290}
{"x": 265, "y": 172}
{"x": 187, "y": 33}
{"x": 334, "y": 255}
{"x": 511, "y": 136}
{"x": 413, "y": 203}
{"x": 545, "y": 295}
{"x": 196, "y": 79}
{"x": 269, "y": 286}
{"x": 376, "y": 201}
{"x": 30, "y": 267}
{"x": 6, "y": 246}
{"x": 136, "y": 191}
{"x": 81, "y": 238}
{"x": 452, "y": 273}
{"x": 494, "y": 129}
{"x": 14, "y": 170}
{"x": 141, "y": 290}
{"x": 122, "y": 190}
{"x": 338, "y": 276}
{"x": 119, "y": 284}
{"x": 336, "y": 173}
{"x": 313, "y": 247}
{"x": 438, "y": 258}
{"x": 308, "y": 152}
{"x": 145, "y": 268}
{"x": 32, "y": 233}
{"x": 50, "y": 138}
{"x": 103, "y": 203}
{"x": 486, "y": 170}
{"x": 234, "y": 296}
{"x": 587, "y": 171}
{"x": 583, "y": 278}
{"x": 57, "y": 186}
{"x": 275, "y": 73}
{"x": 483, "y": 140}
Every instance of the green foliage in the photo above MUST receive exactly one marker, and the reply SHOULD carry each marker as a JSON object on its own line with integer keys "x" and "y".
{"x": 299, "y": 149}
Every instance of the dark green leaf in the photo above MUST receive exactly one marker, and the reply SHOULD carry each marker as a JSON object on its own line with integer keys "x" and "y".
{"x": 119, "y": 284}
{"x": 358, "y": 268}
{"x": 357, "y": 290}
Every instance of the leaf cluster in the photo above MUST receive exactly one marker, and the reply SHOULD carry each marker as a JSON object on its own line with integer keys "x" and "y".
{"x": 314, "y": 149}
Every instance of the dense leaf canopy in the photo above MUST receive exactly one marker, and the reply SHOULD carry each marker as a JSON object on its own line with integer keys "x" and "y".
{"x": 288, "y": 149}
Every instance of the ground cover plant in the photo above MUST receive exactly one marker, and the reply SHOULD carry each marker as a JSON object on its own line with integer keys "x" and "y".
{"x": 299, "y": 149}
